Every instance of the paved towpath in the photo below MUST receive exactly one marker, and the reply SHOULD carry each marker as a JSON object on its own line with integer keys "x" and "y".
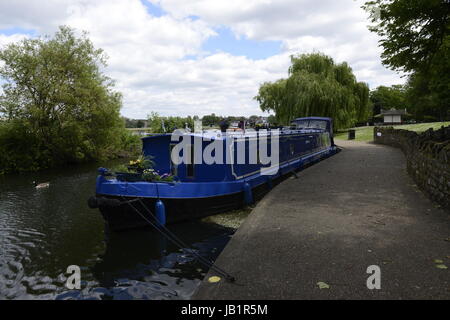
{"x": 355, "y": 209}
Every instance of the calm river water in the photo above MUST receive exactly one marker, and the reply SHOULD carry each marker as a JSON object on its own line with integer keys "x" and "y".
{"x": 44, "y": 231}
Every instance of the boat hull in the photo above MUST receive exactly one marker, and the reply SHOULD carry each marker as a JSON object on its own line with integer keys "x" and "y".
{"x": 136, "y": 212}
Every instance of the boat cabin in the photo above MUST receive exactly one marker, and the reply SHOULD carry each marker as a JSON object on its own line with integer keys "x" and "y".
{"x": 237, "y": 155}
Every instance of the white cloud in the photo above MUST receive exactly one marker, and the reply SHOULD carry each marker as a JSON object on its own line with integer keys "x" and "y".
{"x": 220, "y": 83}
{"x": 148, "y": 54}
{"x": 5, "y": 40}
{"x": 336, "y": 28}
{"x": 42, "y": 16}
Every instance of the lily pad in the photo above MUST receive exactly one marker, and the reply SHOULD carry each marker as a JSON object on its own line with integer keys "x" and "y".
{"x": 323, "y": 285}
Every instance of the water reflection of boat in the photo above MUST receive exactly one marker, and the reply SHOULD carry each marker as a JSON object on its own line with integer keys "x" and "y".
{"x": 205, "y": 189}
{"x": 141, "y": 255}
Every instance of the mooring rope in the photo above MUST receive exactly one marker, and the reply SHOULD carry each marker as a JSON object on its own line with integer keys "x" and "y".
{"x": 178, "y": 242}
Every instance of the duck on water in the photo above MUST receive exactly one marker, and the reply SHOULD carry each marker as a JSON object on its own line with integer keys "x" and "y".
{"x": 218, "y": 172}
{"x": 42, "y": 185}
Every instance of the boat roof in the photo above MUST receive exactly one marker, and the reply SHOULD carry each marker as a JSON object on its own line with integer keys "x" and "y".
{"x": 312, "y": 118}
{"x": 218, "y": 135}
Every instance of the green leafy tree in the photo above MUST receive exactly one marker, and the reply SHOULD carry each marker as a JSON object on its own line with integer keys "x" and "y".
{"x": 272, "y": 120}
{"x": 423, "y": 103}
{"x": 387, "y": 98}
{"x": 316, "y": 86}
{"x": 140, "y": 124}
{"x": 253, "y": 119}
{"x": 411, "y": 31}
{"x": 415, "y": 37}
{"x": 159, "y": 124}
{"x": 234, "y": 119}
{"x": 211, "y": 120}
{"x": 56, "y": 93}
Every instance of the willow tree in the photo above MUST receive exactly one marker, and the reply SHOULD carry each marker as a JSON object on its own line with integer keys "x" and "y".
{"x": 316, "y": 86}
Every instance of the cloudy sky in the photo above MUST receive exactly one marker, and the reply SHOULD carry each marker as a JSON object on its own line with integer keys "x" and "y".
{"x": 196, "y": 57}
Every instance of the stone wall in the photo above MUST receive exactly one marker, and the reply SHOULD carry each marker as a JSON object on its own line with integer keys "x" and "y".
{"x": 427, "y": 156}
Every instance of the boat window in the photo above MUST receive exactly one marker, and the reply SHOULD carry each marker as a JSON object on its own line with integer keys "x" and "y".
{"x": 326, "y": 140}
{"x": 303, "y": 124}
{"x": 258, "y": 156}
{"x": 173, "y": 167}
{"x": 311, "y": 124}
{"x": 190, "y": 165}
{"x": 317, "y": 124}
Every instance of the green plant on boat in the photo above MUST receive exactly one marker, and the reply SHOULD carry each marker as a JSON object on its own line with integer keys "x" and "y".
{"x": 141, "y": 163}
{"x": 141, "y": 169}
{"x": 153, "y": 175}
{"x": 121, "y": 168}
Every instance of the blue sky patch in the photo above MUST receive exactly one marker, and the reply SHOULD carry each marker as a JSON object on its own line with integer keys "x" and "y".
{"x": 194, "y": 18}
{"x": 15, "y": 30}
{"x": 154, "y": 10}
{"x": 226, "y": 41}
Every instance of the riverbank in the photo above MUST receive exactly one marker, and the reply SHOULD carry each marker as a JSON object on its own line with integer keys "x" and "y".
{"x": 314, "y": 237}
{"x": 22, "y": 150}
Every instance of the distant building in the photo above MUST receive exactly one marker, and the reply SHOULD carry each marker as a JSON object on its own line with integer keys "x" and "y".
{"x": 234, "y": 124}
{"x": 142, "y": 123}
{"x": 393, "y": 116}
{"x": 262, "y": 120}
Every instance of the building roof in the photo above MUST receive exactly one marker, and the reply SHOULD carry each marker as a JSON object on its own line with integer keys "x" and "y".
{"x": 393, "y": 112}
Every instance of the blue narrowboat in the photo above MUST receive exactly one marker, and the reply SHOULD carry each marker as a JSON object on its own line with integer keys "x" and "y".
{"x": 202, "y": 188}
